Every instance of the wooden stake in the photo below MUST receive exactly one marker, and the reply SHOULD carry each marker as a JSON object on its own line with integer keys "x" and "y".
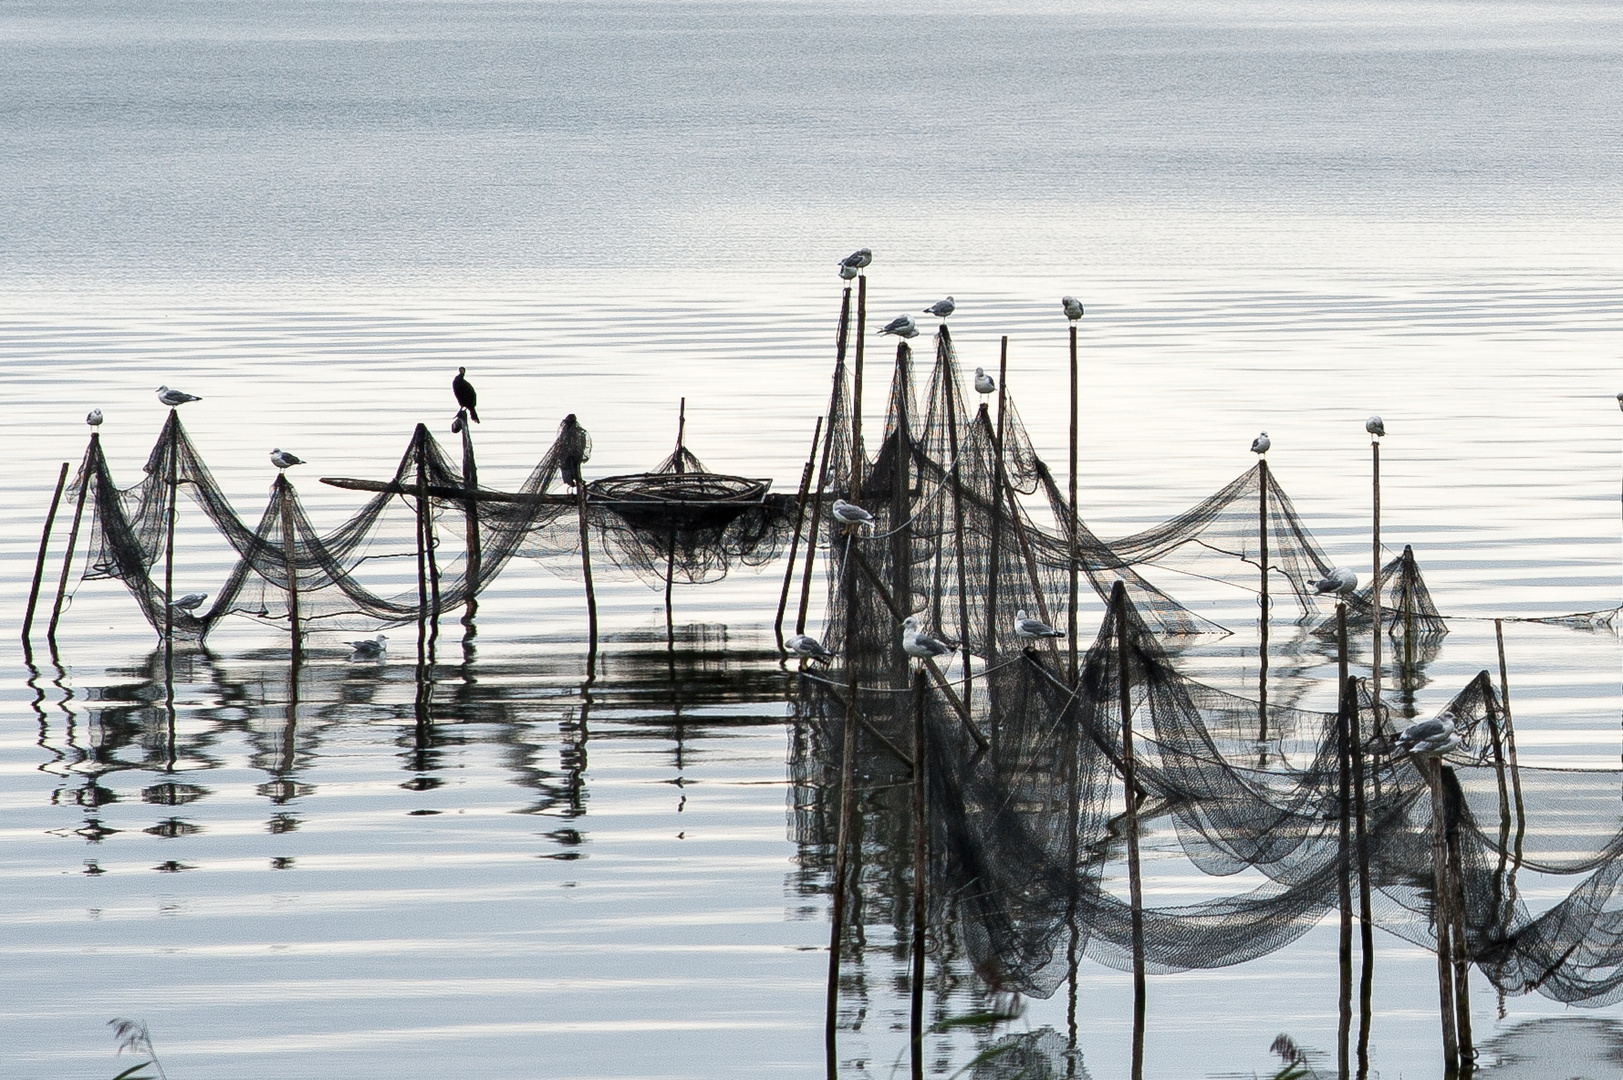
{"x": 847, "y": 805}
{"x": 290, "y": 561}
{"x": 1366, "y": 918}
{"x": 950, "y": 382}
{"x": 800, "y": 521}
{"x": 901, "y": 534}
{"x": 1076, "y": 518}
{"x": 88, "y": 471}
{"x": 1264, "y": 603}
{"x": 1461, "y": 946}
{"x": 470, "y": 509}
{"x": 921, "y": 847}
{"x": 1344, "y": 845}
{"x": 1135, "y": 886}
{"x": 39, "y": 565}
{"x": 422, "y": 569}
{"x": 1510, "y": 737}
{"x": 586, "y": 572}
{"x": 169, "y": 547}
{"x": 1375, "y": 580}
{"x": 856, "y": 392}
{"x": 1441, "y": 916}
{"x": 997, "y": 504}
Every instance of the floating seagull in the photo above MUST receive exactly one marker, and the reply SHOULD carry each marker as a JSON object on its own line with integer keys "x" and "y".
{"x": 369, "y": 649}
{"x": 1620, "y": 401}
{"x": 1340, "y": 580}
{"x": 857, "y": 259}
{"x": 465, "y": 395}
{"x": 849, "y": 272}
{"x": 94, "y": 419}
{"x": 983, "y": 382}
{"x": 922, "y": 645}
{"x": 941, "y": 308}
{"x": 809, "y": 647}
{"x": 1260, "y": 444}
{"x": 190, "y": 602}
{"x": 1031, "y": 629}
{"x": 852, "y": 516}
{"x": 1434, "y": 736}
{"x": 175, "y": 398}
{"x": 1072, "y": 306}
{"x": 284, "y": 460}
{"x": 901, "y": 326}
{"x": 1375, "y": 426}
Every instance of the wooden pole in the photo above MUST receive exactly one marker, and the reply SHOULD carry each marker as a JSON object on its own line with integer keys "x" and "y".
{"x": 89, "y": 475}
{"x": 169, "y": 543}
{"x": 1510, "y": 736}
{"x": 856, "y": 392}
{"x": 475, "y": 556}
{"x": 1461, "y": 946}
{"x": 1366, "y": 918}
{"x": 951, "y": 382}
{"x": 822, "y": 470}
{"x": 422, "y": 569}
{"x": 1135, "y": 886}
{"x": 1344, "y": 846}
{"x": 847, "y": 805}
{"x": 997, "y": 504}
{"x": 921, "y": 848}
{"x": 1375, "y": 576}
{"x": 586, "y": 572}
{"x": 1076, "y": 518}
{"x": 290, "y": 562}
{"x": 1264, "y": 603}
{"x": 1441, "y": 917}
{"x": 901, "y": 534}
{"x": 39, "y": 565}
{"x": 800, "y": 520}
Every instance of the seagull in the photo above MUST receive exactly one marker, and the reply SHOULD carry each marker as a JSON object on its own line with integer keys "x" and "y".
{"x": 1620, "y": 401}
{"x": 1375, "y": 426}
{"x": 94, "y": 419}
{"x": 941, "y": 308}
{"x": 1260, "y": 444}
{"x": 1434, "y": 736}
{"x": 369, "y": 649}
{"x": 175, "y": 398}
{"x": 983, "y": 382}
{"x": 190, "y": 602}
{"x": 284, "y": 460}
{"x": 922, "y": 645}
{"x": 1031, "y": 629}
{"x": 856, "y": 260}
{"x": 1340, "y": 580}
{"x": 465, "y": 395}
{"x": 901, "y": 326}
{"x": 1072, "y": 306}
{"x": 852, "y": 516}
{"x": 809, "y": 647}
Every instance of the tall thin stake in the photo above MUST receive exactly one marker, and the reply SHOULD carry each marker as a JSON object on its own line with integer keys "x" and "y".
{"x": 87, "y": 477}
{"x": 475, "y": 556}
{"x": 586, "y": 572}
{"x": 1135, "y": 888}
{"x": 855, "y": 494}
{"x": 1076, "y": 518}
{"x": 1263, "y": 602}
{"x": 800, "y": 521}
{"x": 422, "y": 567}
{"x": 822, "y": 470}
{"x": 1510, "y": 735}
{"x": 997, "y": 504}
{"x": 1461, "y": 947}
{"x": 290, "y": 563}
{"x": 847, "y": 805}
{"x": 39, "y": 565}
{"x": 1344, "y": 846}
{"x": 901, "y": 539}
{"x": 958, "y": 525}
{"x": 169, "y": 544}
{"x": 1442, "y": 920}
{"x": 921, "y": 847}
{"x": 1375, "y": 574}
{"x": 1366, "y": 918}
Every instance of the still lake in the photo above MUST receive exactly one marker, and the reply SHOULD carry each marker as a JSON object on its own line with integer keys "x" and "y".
{"x": 1286, "y": 216}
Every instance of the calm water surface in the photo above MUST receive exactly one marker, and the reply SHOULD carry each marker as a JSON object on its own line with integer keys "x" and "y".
{"x": 1287, "y": 217}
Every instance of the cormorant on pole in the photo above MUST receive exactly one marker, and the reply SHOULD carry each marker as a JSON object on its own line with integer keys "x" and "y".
{"x": 466, "y": 396}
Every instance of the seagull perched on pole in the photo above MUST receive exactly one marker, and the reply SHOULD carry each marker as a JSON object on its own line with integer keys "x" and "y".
{"x": 1031, "y": 629}
{"x": 369, "y": 648}
{"x": 849, "y": 272}
{"x": 1260, "y": 444}
{"x": 175, "y": 398}
{"x": 922, "y": 645}
{"x": 1375, "y": 426}
{"x": 466, "y": 397}
{"x": 901, "y": 326}
{"x": 941, "y": 308}
{"x": 1340, "y": 580}
{"x": 806, "y": 646}
{"x": 856, "y": 261}
{"x": 852, "y": 516}
{"x": 284, "y": 460}
{"x": 1072, "y": 306}
{"x": 983, "y": 382}
{"x": 94, "y": 419}
{"x": 1425, "y": 737}
{"x": 190, "y": 602}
